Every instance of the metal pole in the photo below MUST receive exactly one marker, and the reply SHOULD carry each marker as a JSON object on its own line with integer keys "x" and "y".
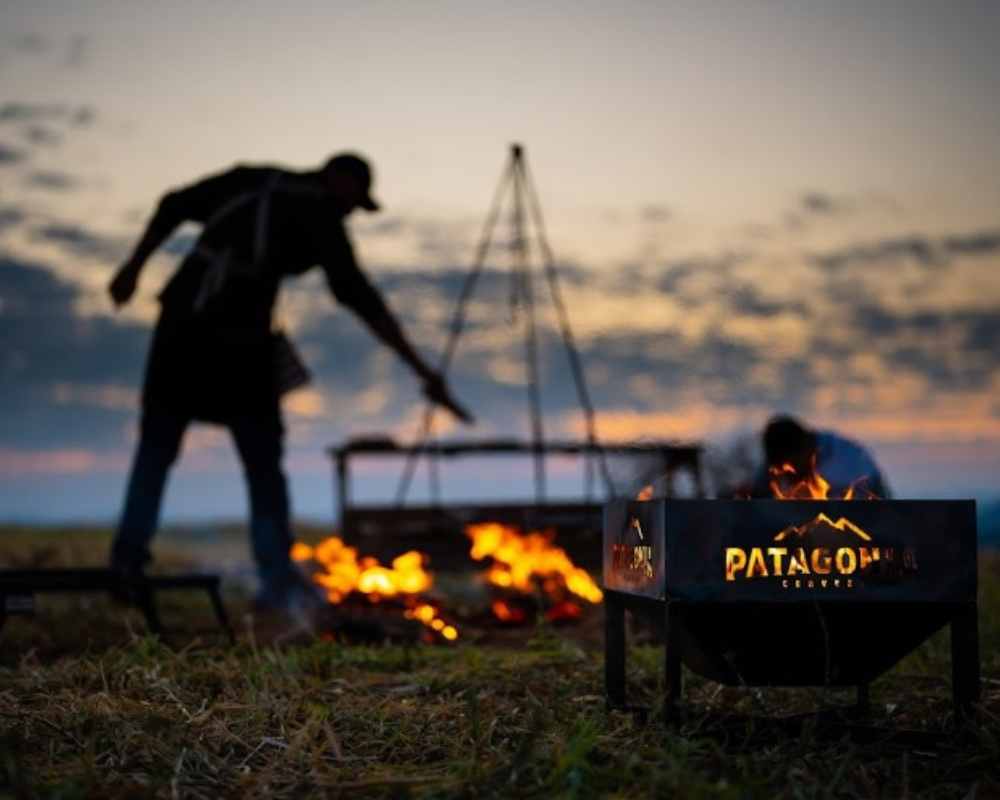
{"x": 522, "y": 273}
{"x": 572, "y": 352}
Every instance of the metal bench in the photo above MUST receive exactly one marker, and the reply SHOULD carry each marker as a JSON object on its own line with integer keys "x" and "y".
{"x": 18, "y": 588}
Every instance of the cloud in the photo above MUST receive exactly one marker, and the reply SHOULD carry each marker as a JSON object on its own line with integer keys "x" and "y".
{"x": 851, "y": 333}
{"x": 822, "y": 204}
{"x": 52, "y": 181}
{"x": 60, "y": 372}
{"x": 78, "y": 241}
{"x": 415, "y": 240}
{"x": 21, "y": 113}
{"x": 815, "y": 207}
{"x": 981, "y": 330}
{"x": 917, "y": 249}
{"x": 66, "y": 461}
{"x": 39, "y": 125}
{"x": 654, "y": 213}
{"x": 77, "y": 51}
{"x": 983, "y": 243}
{"x": 43, "y": 135}
{"x": 388, "y": 225}
{"x": 11, "y": 216}
{"x": 28, "y": 43}
{"x": 99, "y": 395}
{"x": 71, "y": 53}
{"x": 441, "y": 243}
{"x": 679, "y": 277}
{"x": 10, "y": 155}
{"x": 748, "y": 299}
{"x": 949, "y": 350}
{"x": 30, "y": 291}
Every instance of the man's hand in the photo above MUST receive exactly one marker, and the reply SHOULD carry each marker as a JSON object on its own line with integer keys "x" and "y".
{"x": 437, "y": 391}
{"x": 123, "y": 285}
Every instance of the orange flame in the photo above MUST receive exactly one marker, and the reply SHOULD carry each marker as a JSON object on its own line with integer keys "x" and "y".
{"x": 341, "y": 572}
{"x": 787, "y": 484}
{"x": 521, "y": 561}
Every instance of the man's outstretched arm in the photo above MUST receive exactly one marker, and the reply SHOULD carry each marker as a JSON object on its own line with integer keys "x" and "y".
{"x": 167, "y": 217}
{"x": 435, "y": 388}
{"x": 196, "y": 202}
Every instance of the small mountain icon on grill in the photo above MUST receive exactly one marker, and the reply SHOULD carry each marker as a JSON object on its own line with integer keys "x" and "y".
{"x": 632, "y": 532}
{"x": 823, "y": 531}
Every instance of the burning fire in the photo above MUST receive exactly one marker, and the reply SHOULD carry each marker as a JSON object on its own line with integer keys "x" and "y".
{"x": 786, "y": 484}
{"x": 524, "y": 562}
{"x": 341, "y": 572}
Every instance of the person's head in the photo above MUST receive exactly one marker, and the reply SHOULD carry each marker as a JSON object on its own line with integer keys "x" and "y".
{"x": 348, "y": 177}
{"x": 787, "y": 441}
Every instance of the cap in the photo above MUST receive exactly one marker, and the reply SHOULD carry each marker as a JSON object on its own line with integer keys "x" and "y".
{"x": 359, "y": 169}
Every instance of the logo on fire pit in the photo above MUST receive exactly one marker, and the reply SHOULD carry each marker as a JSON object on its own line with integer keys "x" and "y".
{"x": 632, "y": 555}
{"x": 821, "y": 554}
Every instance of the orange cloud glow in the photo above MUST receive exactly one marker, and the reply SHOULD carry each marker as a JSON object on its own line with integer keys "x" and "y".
{"x": 70, "y": 461}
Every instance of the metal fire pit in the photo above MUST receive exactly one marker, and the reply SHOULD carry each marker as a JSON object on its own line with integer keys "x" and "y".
{"x": 792, "y": 593}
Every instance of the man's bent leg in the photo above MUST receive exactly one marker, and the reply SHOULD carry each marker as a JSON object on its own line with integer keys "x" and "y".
{"x": 160, "y": 435}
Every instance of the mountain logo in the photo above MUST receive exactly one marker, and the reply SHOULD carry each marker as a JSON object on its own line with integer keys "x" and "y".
{"x": 632, "y": 555}
{"x": 819, "y": 525}
{"x": 820, "y": 554}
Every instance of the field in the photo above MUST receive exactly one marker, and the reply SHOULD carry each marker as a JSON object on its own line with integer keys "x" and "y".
{"x": 93, "y": 706}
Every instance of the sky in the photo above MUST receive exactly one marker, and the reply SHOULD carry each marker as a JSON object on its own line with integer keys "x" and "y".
{"x": 752, "y": 207}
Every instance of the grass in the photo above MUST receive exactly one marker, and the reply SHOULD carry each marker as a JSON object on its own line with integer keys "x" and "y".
{"x": 91, "y": 706}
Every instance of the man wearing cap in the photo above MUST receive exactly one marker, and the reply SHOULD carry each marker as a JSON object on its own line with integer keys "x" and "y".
{"x": 795, "y": 453}
{"x": 211, "y": 356}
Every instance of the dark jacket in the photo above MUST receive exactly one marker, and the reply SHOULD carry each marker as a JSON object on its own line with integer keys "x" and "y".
{"x": 260, "y": 225}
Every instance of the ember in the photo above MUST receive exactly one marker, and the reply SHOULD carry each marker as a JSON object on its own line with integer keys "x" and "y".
{"x": 508, "y": 612}
{"x": 342, "y": 574}
{"x": 521, "y": 609}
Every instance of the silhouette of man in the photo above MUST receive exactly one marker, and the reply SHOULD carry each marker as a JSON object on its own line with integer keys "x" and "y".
{"x": 211, "y": 356}
{"x": 795, "y": 453}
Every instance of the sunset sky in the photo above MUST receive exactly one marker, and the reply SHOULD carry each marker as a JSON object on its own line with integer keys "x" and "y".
{"x": 774, "y": 205}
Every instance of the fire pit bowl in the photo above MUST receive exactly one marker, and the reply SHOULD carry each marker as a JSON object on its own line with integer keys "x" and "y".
{"x": 791, "y": 593}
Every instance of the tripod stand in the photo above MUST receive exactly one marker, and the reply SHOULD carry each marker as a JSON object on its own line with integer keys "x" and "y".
{"x": 517, "y": 187}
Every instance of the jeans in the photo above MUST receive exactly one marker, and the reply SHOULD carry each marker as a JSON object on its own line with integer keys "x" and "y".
{"x": 189, "y": 377}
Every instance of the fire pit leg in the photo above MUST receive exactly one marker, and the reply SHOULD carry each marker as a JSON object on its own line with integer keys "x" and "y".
{"x": 672, "y": 664}
{"x": 144, "y": 600}
{"x": 614, "y": 649}
{"x": 965, "y": 662}
{"x": 863, "y": 700}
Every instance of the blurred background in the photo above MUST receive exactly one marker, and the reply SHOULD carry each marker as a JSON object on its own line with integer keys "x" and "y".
{"x": 778, "y": 206}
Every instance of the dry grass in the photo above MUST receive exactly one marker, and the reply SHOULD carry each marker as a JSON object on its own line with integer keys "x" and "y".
{"x": 90, "y": 706}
